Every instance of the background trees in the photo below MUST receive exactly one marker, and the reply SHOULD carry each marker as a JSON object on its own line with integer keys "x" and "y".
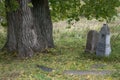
{"x": 73, "y": 9}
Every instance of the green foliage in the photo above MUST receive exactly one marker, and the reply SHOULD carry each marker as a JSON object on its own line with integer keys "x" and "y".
{"x": 62, "y": 9}
{"x": 30, "y": 4}
{"x": 4, "y": 23}
{"x": 2, "y": 37}
{"x": 73, "y": 9}
{"x": 12, "y": 5}
{"x": 100, "y": 9}
{"x": 2, "y": 11}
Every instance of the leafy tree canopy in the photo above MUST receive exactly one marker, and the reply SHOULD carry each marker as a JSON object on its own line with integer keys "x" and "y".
{"x": 73, "y": 9}
{"x": 100, "y": 9}
{"x": 2, "y": 10}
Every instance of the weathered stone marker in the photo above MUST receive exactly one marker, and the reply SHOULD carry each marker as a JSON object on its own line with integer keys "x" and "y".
{"x": 88, "y": 72}
{"x": 103, "y": 45}
{"x": 92, "y": 39}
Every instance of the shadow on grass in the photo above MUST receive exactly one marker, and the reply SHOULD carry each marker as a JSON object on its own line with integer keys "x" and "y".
{"x": 6, "y": 57}
{"x": 111, "y": 58}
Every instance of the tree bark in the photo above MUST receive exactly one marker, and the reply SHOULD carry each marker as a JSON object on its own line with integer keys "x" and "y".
{"x": 29, "y": 30}
{"x": 42, "y": 18}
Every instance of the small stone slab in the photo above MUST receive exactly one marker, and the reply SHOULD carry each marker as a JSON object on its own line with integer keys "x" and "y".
{"x": 44, "y": 68}
{"x": 87, "y": 72}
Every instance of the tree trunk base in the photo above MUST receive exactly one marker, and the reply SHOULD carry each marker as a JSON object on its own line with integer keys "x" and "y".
{"x": 29, "y": 29}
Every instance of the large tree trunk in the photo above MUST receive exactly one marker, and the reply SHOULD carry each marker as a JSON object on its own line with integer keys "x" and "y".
{"x": 42, "y": 20}
{"x": 29, "y": 30}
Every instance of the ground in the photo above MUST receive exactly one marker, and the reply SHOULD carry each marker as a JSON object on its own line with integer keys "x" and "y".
{"x": 68, "y": 54}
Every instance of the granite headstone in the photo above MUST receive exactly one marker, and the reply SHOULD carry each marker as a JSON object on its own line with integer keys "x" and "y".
{"x": 92, "y": 39}
{"x": 103, "y": 45}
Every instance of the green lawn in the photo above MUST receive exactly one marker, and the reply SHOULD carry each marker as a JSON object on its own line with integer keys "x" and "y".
{"x": 68, "y": 54}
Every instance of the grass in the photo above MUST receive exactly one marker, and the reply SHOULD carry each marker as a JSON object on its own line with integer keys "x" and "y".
{"x": 68, "y": 54}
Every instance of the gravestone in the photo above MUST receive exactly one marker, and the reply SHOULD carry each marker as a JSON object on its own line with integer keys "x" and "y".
{"x": 103, "y": 45}
{"x": 92, "y": 39}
